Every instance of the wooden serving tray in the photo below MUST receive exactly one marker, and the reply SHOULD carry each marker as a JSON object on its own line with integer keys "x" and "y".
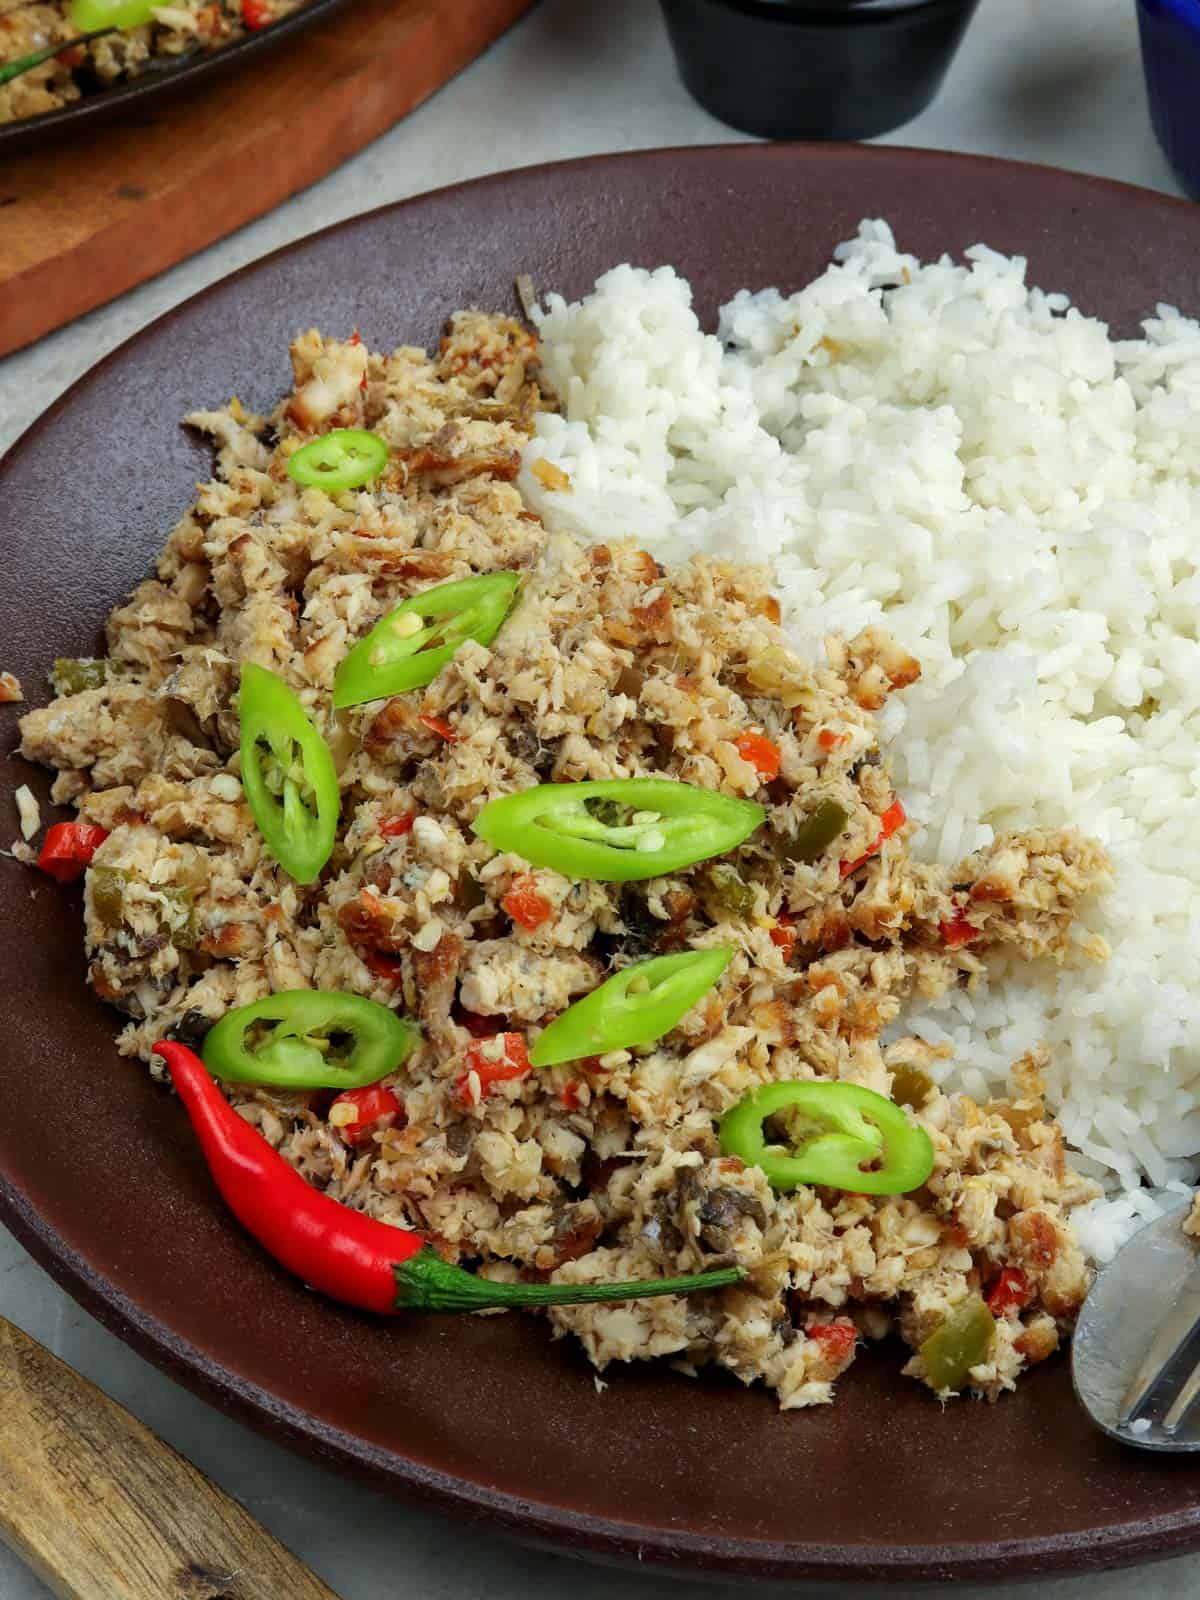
{"x": 79, "y": 226}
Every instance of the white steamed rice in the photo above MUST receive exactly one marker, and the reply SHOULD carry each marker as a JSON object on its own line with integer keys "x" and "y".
{"x": 1016, "y": 496}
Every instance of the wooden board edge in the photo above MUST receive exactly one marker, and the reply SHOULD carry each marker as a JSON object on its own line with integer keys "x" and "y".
{"x": 61, "y": 290}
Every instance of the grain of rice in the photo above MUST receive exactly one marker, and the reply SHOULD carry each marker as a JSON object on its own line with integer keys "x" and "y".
{"x": 1015, "y": 494}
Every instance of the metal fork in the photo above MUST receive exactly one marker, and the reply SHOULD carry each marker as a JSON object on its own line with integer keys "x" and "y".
{"x": 1152, "y": 1381}
{"x": 1136, "y": 1354}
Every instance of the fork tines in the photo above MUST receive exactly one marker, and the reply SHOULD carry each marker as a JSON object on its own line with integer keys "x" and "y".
{"x": 1157, "y": 1373}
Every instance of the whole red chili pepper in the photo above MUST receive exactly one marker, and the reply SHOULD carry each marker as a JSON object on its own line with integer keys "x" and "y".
{"x": 343, "y": 1253}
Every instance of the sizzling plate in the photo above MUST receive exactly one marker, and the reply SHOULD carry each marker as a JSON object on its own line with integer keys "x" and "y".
{"x": 151, "y": 92}
{"x": 99, "y": 1175}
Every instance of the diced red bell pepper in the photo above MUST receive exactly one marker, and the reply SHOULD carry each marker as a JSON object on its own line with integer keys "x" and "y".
{"x": 256, "y": 14}
{"x": 829, "y": 740}
{"x": 496, "y": 1060}
{"x": 570, "y": 1096}
{"x": 389, "y": 968}
{"x": 68, "y": 848}
{"x": 892, "y": 820}
{"x": 526, "y": 905}
{"x": 440, "y": 726}
{"x": 397, "y": 827}
{"x": 783, "y": 936}
{"x": 837, "y": 1339}
{"x": 372, "y": 1104}
{"x": 761, "y": 752}
{"x": 957, "y": 930}
{"x": 1011, "y": 1288}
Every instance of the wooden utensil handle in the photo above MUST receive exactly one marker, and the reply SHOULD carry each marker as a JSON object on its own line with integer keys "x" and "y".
{"x": 102, "y": 1509}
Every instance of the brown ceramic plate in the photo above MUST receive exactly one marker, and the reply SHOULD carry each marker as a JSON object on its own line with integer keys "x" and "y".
{"x": 99, "y": 1175}
{"x": 145, "y": 94}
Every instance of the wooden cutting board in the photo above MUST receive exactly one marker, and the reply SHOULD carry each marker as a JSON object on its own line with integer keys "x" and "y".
{"x": 80, "y": 226}
{"x": 102, "y": 1509}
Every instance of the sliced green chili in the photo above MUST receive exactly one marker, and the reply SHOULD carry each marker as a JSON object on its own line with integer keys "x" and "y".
{"x": 405, "y": 650}
{"x": 93, "y": 14}
{"x": 911, "y": 1086}
{"x": 309, "y": 1039}
{"x": 343, "y": 458}
{"x": 962, "y": 1340}
{"x": 817, "y": 832}
{"x": 731, "y": 891}
{"x": 108, "y": 885}
{"x": 288, "y": 775}
{"x": 74, "y": 674}
{"x": 571, "y": 828}
{"x": 635, "y": 1007}
{"x": 848, "y": 1138}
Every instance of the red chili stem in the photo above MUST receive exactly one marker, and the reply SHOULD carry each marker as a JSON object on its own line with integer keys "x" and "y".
{"x": 343, "y": 1253}
{"x": 14, "y": 69}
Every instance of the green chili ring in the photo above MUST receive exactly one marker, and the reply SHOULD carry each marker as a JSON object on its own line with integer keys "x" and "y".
{"x": 92, "y": 15}
{"x": 853, "y": 1127}
{"x": 551, "y": 826}
{"x": 391, "y": 660}
{"x": 302, "y": 1050}
{"x": 635, "y": 1007}
{"x": 288, "y": 775}
{"x": 343, "y": 458}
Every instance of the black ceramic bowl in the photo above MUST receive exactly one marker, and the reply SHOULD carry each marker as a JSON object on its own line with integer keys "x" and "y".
{"x": 815, "y": 69}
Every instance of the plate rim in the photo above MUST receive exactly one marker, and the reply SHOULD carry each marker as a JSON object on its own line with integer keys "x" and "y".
{"x": 553, "y": 1527}
{"x": 541, "y": 1523}
{"x": 734, "y": 150}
